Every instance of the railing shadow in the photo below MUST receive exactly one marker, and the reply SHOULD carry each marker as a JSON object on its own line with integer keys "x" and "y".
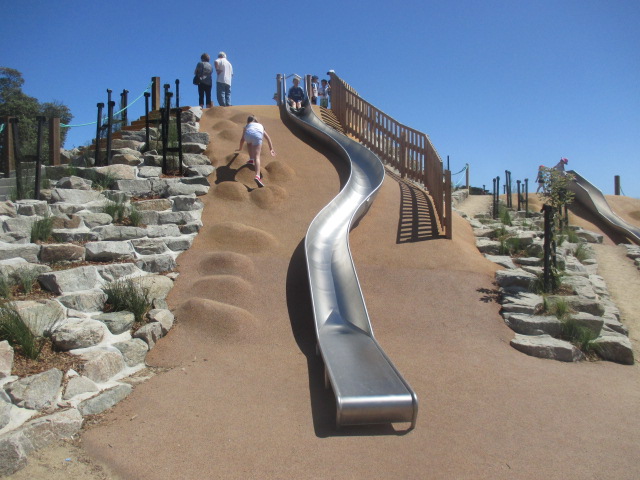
{"x": 417, "y": 221}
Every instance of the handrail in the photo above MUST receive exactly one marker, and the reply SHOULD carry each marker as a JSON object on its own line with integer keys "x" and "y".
{"x": 404, "y": 148}
{"x": 367, "y": 386}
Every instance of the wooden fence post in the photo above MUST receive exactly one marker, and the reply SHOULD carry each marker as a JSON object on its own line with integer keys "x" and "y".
{"x": 447, "y": 205}
{"x": 403, "y": 154}
{"x": 54, "y": 141}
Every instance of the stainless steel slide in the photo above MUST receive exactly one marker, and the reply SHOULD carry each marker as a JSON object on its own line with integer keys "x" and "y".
{"x": 593, "y": 199}
{"x": 367, "y": 386}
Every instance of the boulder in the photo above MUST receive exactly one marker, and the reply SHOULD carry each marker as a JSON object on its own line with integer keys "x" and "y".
{"x": 105, "y": 399}
{"x": 615, "y": 347}
{"x": 115, "y": 271}
{"x": 133, "y": 351}
{"x": 28, "y": 251}
{"x": 149, "y": 246}
{"x": 32, "y": 207}
{"x": 87, "y": 301}
{"x": 534, "y": 324}
{"x": 166, "y": 230}
{"x": 488, "y": 246}
{"x": 79, "y": 385}
{"x": 61, "y": 252}
{"x": 73, "y": 182}
{"x": 587, "y": 320}
{"x": 109, "y": 251}
{"x": 156, "y": 204}
{"x": 77, "y": 197}
{"x": 16, "y": 445}
{"x": 6, "y": 360}
{"x": 545, "y": 346}
{"x": 521, "y": 302}
{"x": 502, "y": 260}
{"x": 80, "y": 333}
{"x": 92, "y": 219}
{"x": 36, "y": 392}
{"x": 179, "y": 244}
{"x": 41, "y": 316}
{"x": 150, "y": 333}
{"x": 163, "y": 316}
{"x": 71, "y": 280}
{"x": 100, "y": 365}
{"x": 117, "y": 322}
{"x": 516, "y": 279}
{"x": 118, "y": 232}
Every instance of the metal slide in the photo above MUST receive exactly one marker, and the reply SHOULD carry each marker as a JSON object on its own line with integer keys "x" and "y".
{"x": 367, "y": 386}
{"x": 593, "y": 199}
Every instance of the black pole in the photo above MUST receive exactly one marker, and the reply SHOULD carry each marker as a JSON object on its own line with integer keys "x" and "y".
{"x": 179, "y": 129}
{"x": 448, "y": 163}
{"x": 165, "y": 126}
{"x": 41, "y": 119}
{"x": 124, "y": 100}
{"x": 109, "y": 127}
{"x": 548, "y": 233}
{"x": 177, "y": 93}
{"x": 98, "y": 130}
{"x": 495, "y": 213}
{"x": 16, "y": 155}
{"x": 146, "y": 120}
{"x": 526, "y": 198}
{"x": 519, "y": 199}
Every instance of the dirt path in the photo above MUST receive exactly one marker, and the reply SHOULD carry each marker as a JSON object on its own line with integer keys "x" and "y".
{"x": 243, "y": 394}
{"x": 476, "y": 204}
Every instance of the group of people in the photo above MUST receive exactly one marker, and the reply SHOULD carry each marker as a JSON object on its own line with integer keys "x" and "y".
{"x": 540, "y": 178}
{"x": 297, "y": 98}
{"x": 203, "y": 77}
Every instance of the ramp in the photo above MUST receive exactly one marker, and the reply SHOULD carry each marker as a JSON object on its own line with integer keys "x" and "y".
{"x": 593, "y": 199}
{"x": 367, "y": 386}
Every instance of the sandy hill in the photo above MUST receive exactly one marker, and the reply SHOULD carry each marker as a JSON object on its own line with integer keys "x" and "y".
{"x": 240, "y": 393}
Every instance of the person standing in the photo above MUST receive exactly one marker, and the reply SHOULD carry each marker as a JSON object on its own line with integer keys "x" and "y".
{"x": 540, "y": 178}
{"x": 223, "y": 84}
{"x": 323, "y": 93}
{"x": 203, "y": 72}
{"x": 314, "y": 90}
{"x": 560, "y": 165}
{"x": 253, "y": 134}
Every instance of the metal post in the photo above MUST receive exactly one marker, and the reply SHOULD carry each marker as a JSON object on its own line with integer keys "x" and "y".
{"x": 155, "y": 93}
{"x": 8, "y": 160}
{"x": 497, "y": 204}
{"x": 41, "y": 119}
{"x": 448, "y": 163}
{"x": 526, "y": 198}
{"x": 123, "y": 106}
{"x": 279, "y": 89}
{"x": 146, "y": 120}
{"x": 100, "y": 106}
{"x": 177, "y": 93}
{"x": 179, "y": 129}
{"x": 548, "y": 234}
{"x": 616, "y": 185}
{"x": 447, "y": 206}
{"x": 16, "y": 155}
{"x": 493, "y": 199}
{"x": 519, "y": 199}
{"x": 110, "y": 106}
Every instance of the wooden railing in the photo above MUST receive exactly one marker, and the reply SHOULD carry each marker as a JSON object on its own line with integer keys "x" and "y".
{"x": 408, "y": 150}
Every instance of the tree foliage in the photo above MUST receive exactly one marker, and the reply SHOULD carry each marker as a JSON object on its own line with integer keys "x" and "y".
{"x": 555, "y": 191}
{"x": 15, "y": 103}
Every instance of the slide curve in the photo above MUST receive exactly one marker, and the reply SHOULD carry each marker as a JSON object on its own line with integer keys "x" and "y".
{"x": 593, "y": 199}
{"x": 367, "y": 386}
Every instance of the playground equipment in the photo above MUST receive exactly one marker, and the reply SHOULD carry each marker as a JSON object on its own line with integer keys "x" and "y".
{"x": 367, "y": 386}
{"x": 593, "y": 199}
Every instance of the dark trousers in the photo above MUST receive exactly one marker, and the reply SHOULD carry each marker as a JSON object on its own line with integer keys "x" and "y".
{"x": 204, "y": 92}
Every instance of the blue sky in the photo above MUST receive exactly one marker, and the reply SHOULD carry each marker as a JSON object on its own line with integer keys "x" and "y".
{"x": 497, "y": 84}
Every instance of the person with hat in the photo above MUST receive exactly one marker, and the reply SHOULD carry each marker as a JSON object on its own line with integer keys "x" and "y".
{"x": 295, "y": 96}
{"x": 560, "y": 165}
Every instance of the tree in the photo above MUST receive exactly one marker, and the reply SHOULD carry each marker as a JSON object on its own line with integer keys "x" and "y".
{"x": 15, "y": 103}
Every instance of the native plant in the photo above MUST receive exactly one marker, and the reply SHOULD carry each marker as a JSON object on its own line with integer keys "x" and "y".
{"x": 14, "y": 330}
{"x": 129, "y": 295}
{"x": 42, "y": 229}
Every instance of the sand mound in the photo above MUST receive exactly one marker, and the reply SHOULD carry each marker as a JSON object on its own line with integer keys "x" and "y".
{"x": 238, "y": 237}
{"x": 239, "y": 118}
{"x": 226, "y": 263}
{"x": 279, "y": 171}
{"x": 213, "y": 320}
{"x": 231, "y": 191}
{"x": 225, "y": 125}
{"x": 223, "y": 288}
{"x": 269, "y": 197}
{"x": 230, "y": 134}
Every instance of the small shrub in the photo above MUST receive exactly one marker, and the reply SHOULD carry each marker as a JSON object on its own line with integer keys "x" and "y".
{"x": 505, "y": 217}
{"x": 582, "y": 252}
{"x": 117, "y": 210}
{"x": 5, "y": 287}
{"x": 41, "y": 230}
{"x": 579, "y": 335}
{"x": 128, "y": 295}
{"x": 103, "y": 181}
{"x": 559, "y": 307}
{"x": 26, "y": 278}
{"x": 14, "y": 330}
{"x": 572, "y": 236}
{"x": 135, "y": 217}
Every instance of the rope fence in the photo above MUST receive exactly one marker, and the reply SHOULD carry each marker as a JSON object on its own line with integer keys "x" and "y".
{"x": 148, "y": 89}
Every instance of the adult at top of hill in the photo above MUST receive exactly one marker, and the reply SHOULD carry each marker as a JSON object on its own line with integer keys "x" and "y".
{"x": 203, "y": 73}
{"x": 223, "y": 83}
{"x": 252, "y": 134}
